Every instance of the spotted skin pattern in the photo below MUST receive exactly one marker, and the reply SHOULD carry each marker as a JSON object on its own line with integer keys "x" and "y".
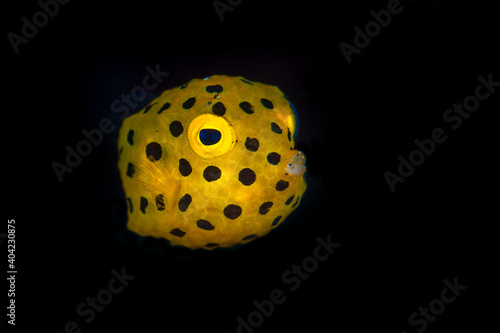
{"x": 201, "y": 195}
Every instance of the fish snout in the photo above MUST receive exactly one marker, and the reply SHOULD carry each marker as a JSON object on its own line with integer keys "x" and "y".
{"x": 296, "y": 164}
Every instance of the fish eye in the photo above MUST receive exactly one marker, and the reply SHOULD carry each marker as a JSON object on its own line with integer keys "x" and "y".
{"x": 210, "y": 136}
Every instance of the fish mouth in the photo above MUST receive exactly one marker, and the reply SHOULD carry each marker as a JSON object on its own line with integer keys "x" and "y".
{"x": 296, "y": 166}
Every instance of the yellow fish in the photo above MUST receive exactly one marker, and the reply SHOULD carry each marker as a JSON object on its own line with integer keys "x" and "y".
{"x": 211, "y": 163}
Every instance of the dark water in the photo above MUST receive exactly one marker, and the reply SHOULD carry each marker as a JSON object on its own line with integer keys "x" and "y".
{"x": 396, "y": 248}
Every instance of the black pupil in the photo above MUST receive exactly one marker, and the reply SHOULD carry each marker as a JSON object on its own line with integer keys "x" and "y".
{"x": 210, "y": 136}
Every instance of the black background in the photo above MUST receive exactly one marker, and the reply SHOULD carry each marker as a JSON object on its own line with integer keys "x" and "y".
{"x": 355, "y": 119}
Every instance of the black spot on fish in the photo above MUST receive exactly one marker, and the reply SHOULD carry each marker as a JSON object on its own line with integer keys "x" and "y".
{"x": 177, "y": 232}
{"x": 232, "y": 211}
{"x": 130, "y": 137}
{"x": 205, "y": 225}
{"x": 153, "y": 151}
{"x": 247, "y": 82}
{"x": 247, "y": 107}
{"x": 267, "y": 103}
{"x": 176, "y": 128}
{"x": 273, "y": 158}
{"x": 188, "y": 104}
{"x": 216, "y": 88}
{"x": 276, "y": 220}
{"x": 185, "y": 167}
{"x": 211, "y": 173}
{"x": 247, "y": 176}
{"x": 143, "y": 204}
{"x": 185, "y": 202}
{"x": 282, "y": 185}
{"x": 252, "y": 236}
{"x": 219, "y": 109}
{"x": 275, "y": 128}
{"x": 130, "y": 169}
{"x": 264, "y": 208}
{"x": 252, "y": 144}
{"x": 148, "y": 108}
{"x": 164, "y": 107}
{"x": 289, "y": 200}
